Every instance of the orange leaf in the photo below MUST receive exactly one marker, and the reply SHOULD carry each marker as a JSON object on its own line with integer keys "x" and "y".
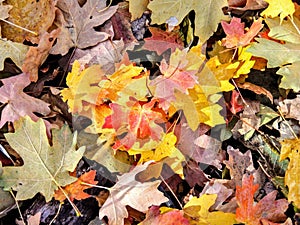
{"x": 235, "y": 31}
{"x": 76, "y": 189}
{"x": 267, "y": 208}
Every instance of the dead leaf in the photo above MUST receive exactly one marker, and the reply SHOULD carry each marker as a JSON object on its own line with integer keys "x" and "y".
{"x": 80, "y": 22}
{"x": 37, "y": 55}
{"x": 129, "y": 191}
{"x": 137, "y": 8}
{"x": 45, "y": 167}
{"x": 19, "y": 104}
{"x": 256, "y": 89}
{"x": 33, "y": 220}
{"x": 267, "y": 208}
{"x": 36, "y": 16}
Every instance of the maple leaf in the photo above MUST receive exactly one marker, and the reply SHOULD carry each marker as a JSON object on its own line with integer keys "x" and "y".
{"x": 285, "y": 53}
{"x": 76, "y": 189}
{"x": 160, "y": 41}
{"x": 290, "y": 149}
{"x": 197, "y": 211}
{"x": 235, "y": 31}
{"x": 129, "y": 191}
{"x": 80, "y": 23}
{"x": 283, "y": 7}
{"x": 37, "y": 55}
{"x": 208, "y": 14}
{"x": 138, "y": 122}
{"x": 170, "y": 217}
{"x": 137, "y": 8}
{"x": 290, "y": 76}
{"x": 83, "y": 88}
{"x": 36, "y": 16}
{"x": 267, "y": 208}
{"x": 285, "y": 31}
{"x": 19, "y": 104}
{"x": 13, "y": 50}
{"x": 175, "y": 75}
{"x": 46, "y": 167}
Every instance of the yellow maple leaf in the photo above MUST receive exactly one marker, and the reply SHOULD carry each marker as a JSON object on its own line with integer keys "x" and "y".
{"x": 290, "y": 149}
{"x": 283, "y": 7}
{"x": 197, "y": 212}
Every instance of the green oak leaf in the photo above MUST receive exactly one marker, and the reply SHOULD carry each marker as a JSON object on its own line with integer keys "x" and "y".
{"x": 45, "y": 167}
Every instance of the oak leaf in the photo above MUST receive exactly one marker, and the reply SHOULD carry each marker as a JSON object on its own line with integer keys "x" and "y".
{"x": 19, "y": 104}
{"x": 290, "y": 149}
{"x": 283, "y": 8}
{"x": 267, "y": 208}
{"x": 208, "y": 14}
{"x": 235, "y": 31}
{"x": 36, "y": 16}
{"x": 45, "y": 167}
{"x": 169, "y": 217}
{"x": 76, "y": 189}
{"x": 197, "y": 212}
{"x": 129, "y": 191}
{"x": 81, "y": 22}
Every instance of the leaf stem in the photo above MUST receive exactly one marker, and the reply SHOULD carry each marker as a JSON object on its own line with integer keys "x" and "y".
{"x": 97, "y": 186}
{"x": 293, "y": 23}
{"x": 22, "y": 28}
{"x": 171, "y": 191}
{"x": 17, "y": 204}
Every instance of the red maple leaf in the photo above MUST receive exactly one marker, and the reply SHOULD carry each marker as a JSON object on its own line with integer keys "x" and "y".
{"x": 235, "y": 32}
{"x": 138, "y": 122}
{"x": 175, "y": 76}
{"x": 267, "y": 208}
{"x": 162, "y": 40}
{"x": 76, "y": 189}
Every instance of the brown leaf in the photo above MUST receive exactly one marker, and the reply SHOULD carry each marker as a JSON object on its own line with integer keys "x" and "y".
{"x": 19, "y": 104}
{"x": 80, "y": 23}
{"x": 37, "y": 55}
{"x": 129, "y": 191}
{"x": 36, "y": 16}
{"x": 194, "y": 175}
{"x": 256, "y": 89}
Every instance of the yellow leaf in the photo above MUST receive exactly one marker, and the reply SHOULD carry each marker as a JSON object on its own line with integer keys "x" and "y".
{"x": 137, "y": 8}
{"x": 197, "y": 211}
{"x": 290, "y": 149}
{"x": 283, "y": 7}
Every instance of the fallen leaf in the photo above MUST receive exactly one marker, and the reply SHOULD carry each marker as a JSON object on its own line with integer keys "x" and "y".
{"x": 256, "y": 89}
{"x": 236, "y": 104}
{"x": 289, "y": 108}
{"x": 235, "y": 32}
{"x": 285, "y": 53}
{"x": 244, "y": 5}
{"x": 283, "y": 8}
{"x": 161, "y": 40}
{"x": 36, "y": 16}
{"x": 290, "y": 149}
{"x": 129, "y": 191}
{"x": 45, "y": 167}
{"x": 290, "y": 76}
{"x": 19, "y": 104}
{"x": 33, "y": 220}
{"x": 37, "y": 55}
{"x": 170, "y": 217}
{"x": 208, "y": 14}
{"x": 81, "y": 22}
{"x": 76, "y": 189}
{"x": 137, "y": 8}
{"x": 267, "y": 208}
{"x": 193, "y": 174}
{"x": 197, "y": 212}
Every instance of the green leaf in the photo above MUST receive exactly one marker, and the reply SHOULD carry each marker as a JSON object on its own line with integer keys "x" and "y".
{"x": 45, "y": 167}
{"x": 13, "y": 50}
{"x": 290, "y": 76}
{"x": 276, "y": 54}
{"x": 285, "y": 31}
{"x": 208, "y": 14}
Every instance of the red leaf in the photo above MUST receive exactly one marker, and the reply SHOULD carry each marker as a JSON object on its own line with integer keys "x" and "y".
{"x": 235, "y": 31}
{"x": 267, "y": 208}
{"x": 173, "y": 217}
{"x": 162, "y": 40}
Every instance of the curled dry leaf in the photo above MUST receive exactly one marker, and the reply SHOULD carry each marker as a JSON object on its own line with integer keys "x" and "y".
{"x": 37, "y": 55}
